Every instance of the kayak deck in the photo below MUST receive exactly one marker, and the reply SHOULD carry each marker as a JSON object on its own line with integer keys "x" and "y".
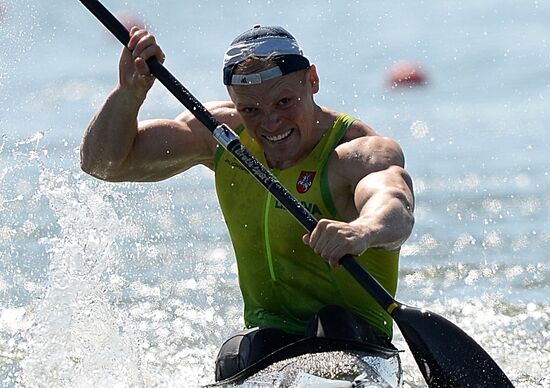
{"x": 327, "y": 369}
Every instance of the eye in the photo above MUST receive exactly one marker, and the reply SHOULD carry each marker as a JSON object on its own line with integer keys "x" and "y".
{"x": 286, "y": 101}
{"x": 248, "y": 110}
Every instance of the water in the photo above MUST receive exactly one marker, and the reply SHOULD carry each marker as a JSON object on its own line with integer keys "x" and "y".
{"x": 134, "y": 285}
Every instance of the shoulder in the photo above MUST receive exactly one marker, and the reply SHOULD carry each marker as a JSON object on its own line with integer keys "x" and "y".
{"x": 223, "y": 111}
{"x": 362, "y": 152}
{"x": 358, "y": 129}
{"x": 363, "y": 146}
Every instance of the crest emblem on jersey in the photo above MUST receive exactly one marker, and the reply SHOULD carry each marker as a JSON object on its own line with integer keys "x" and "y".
{"x": 305, "y": 180}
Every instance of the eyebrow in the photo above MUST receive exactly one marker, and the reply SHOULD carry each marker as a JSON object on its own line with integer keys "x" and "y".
{"x": 283, "y": 90}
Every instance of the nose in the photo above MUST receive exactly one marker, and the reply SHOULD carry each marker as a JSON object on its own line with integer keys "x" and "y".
{"x": 271, "y": 120}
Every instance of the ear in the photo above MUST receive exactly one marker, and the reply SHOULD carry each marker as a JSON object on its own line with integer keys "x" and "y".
{"x": 313, "y": 79}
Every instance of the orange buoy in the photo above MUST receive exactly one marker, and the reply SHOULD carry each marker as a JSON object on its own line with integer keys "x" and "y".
{"x": 406, "y": 74}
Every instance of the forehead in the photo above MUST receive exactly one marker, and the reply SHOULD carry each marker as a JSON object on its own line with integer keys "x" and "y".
{"x": 287, "y": 84}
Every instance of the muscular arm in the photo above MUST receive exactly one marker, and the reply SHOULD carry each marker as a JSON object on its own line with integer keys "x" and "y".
{"x": 115, "y": 147}
{"x": 385, "y": 202}
{"x": 374, "y": 194}
{"x": 109, "y": 137}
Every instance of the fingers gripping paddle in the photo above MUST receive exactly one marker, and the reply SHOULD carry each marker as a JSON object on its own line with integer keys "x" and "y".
{"x": 446, "y": 356}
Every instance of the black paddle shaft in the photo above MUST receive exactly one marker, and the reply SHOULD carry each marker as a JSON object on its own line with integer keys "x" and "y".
{"x": 446, "y": 356}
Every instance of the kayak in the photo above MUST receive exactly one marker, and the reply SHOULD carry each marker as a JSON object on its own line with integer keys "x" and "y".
{"x": 371, "y": 366}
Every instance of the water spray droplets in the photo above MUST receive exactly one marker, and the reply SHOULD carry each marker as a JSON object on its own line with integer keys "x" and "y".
{"x": 419, "y": 129}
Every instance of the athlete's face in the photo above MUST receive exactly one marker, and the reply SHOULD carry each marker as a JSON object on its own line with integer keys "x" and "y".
{"x": 280, "y": 115}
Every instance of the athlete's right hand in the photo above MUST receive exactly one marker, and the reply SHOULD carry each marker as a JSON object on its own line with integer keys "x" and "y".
{"x": 134, "y": 73}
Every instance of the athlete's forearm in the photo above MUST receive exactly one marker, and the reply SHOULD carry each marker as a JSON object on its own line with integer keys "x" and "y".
{"x": 110, "y": 135}
{"x": 387, "y": 219}
{"x": 385, "y": 202}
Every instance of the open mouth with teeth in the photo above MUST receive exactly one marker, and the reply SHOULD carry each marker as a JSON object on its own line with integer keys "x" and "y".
{"x": 280, "y": 137}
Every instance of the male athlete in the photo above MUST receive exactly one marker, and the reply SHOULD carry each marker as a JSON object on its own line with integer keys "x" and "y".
{"x": 348, "y": 177}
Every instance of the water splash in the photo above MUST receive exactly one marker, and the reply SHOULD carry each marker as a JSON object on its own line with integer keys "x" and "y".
{"x": 78, "y": 337}
{"x": 115, "y": 304}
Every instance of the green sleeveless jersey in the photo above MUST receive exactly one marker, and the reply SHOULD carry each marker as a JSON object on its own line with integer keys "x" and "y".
{"x": 282, "y": 280}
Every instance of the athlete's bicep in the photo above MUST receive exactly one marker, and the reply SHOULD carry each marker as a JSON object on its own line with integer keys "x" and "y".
{"x": 161, "y": 149}
{"x": 164, "y": 148}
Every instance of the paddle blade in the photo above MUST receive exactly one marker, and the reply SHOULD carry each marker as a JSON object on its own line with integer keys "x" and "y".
{"x": 446, "y": 355}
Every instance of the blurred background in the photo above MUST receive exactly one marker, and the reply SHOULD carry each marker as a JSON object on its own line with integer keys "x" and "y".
{"x": 134, "y": 285}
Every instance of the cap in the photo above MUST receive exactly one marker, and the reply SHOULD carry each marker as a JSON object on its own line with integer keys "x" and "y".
{"x": 274, "y": 42}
